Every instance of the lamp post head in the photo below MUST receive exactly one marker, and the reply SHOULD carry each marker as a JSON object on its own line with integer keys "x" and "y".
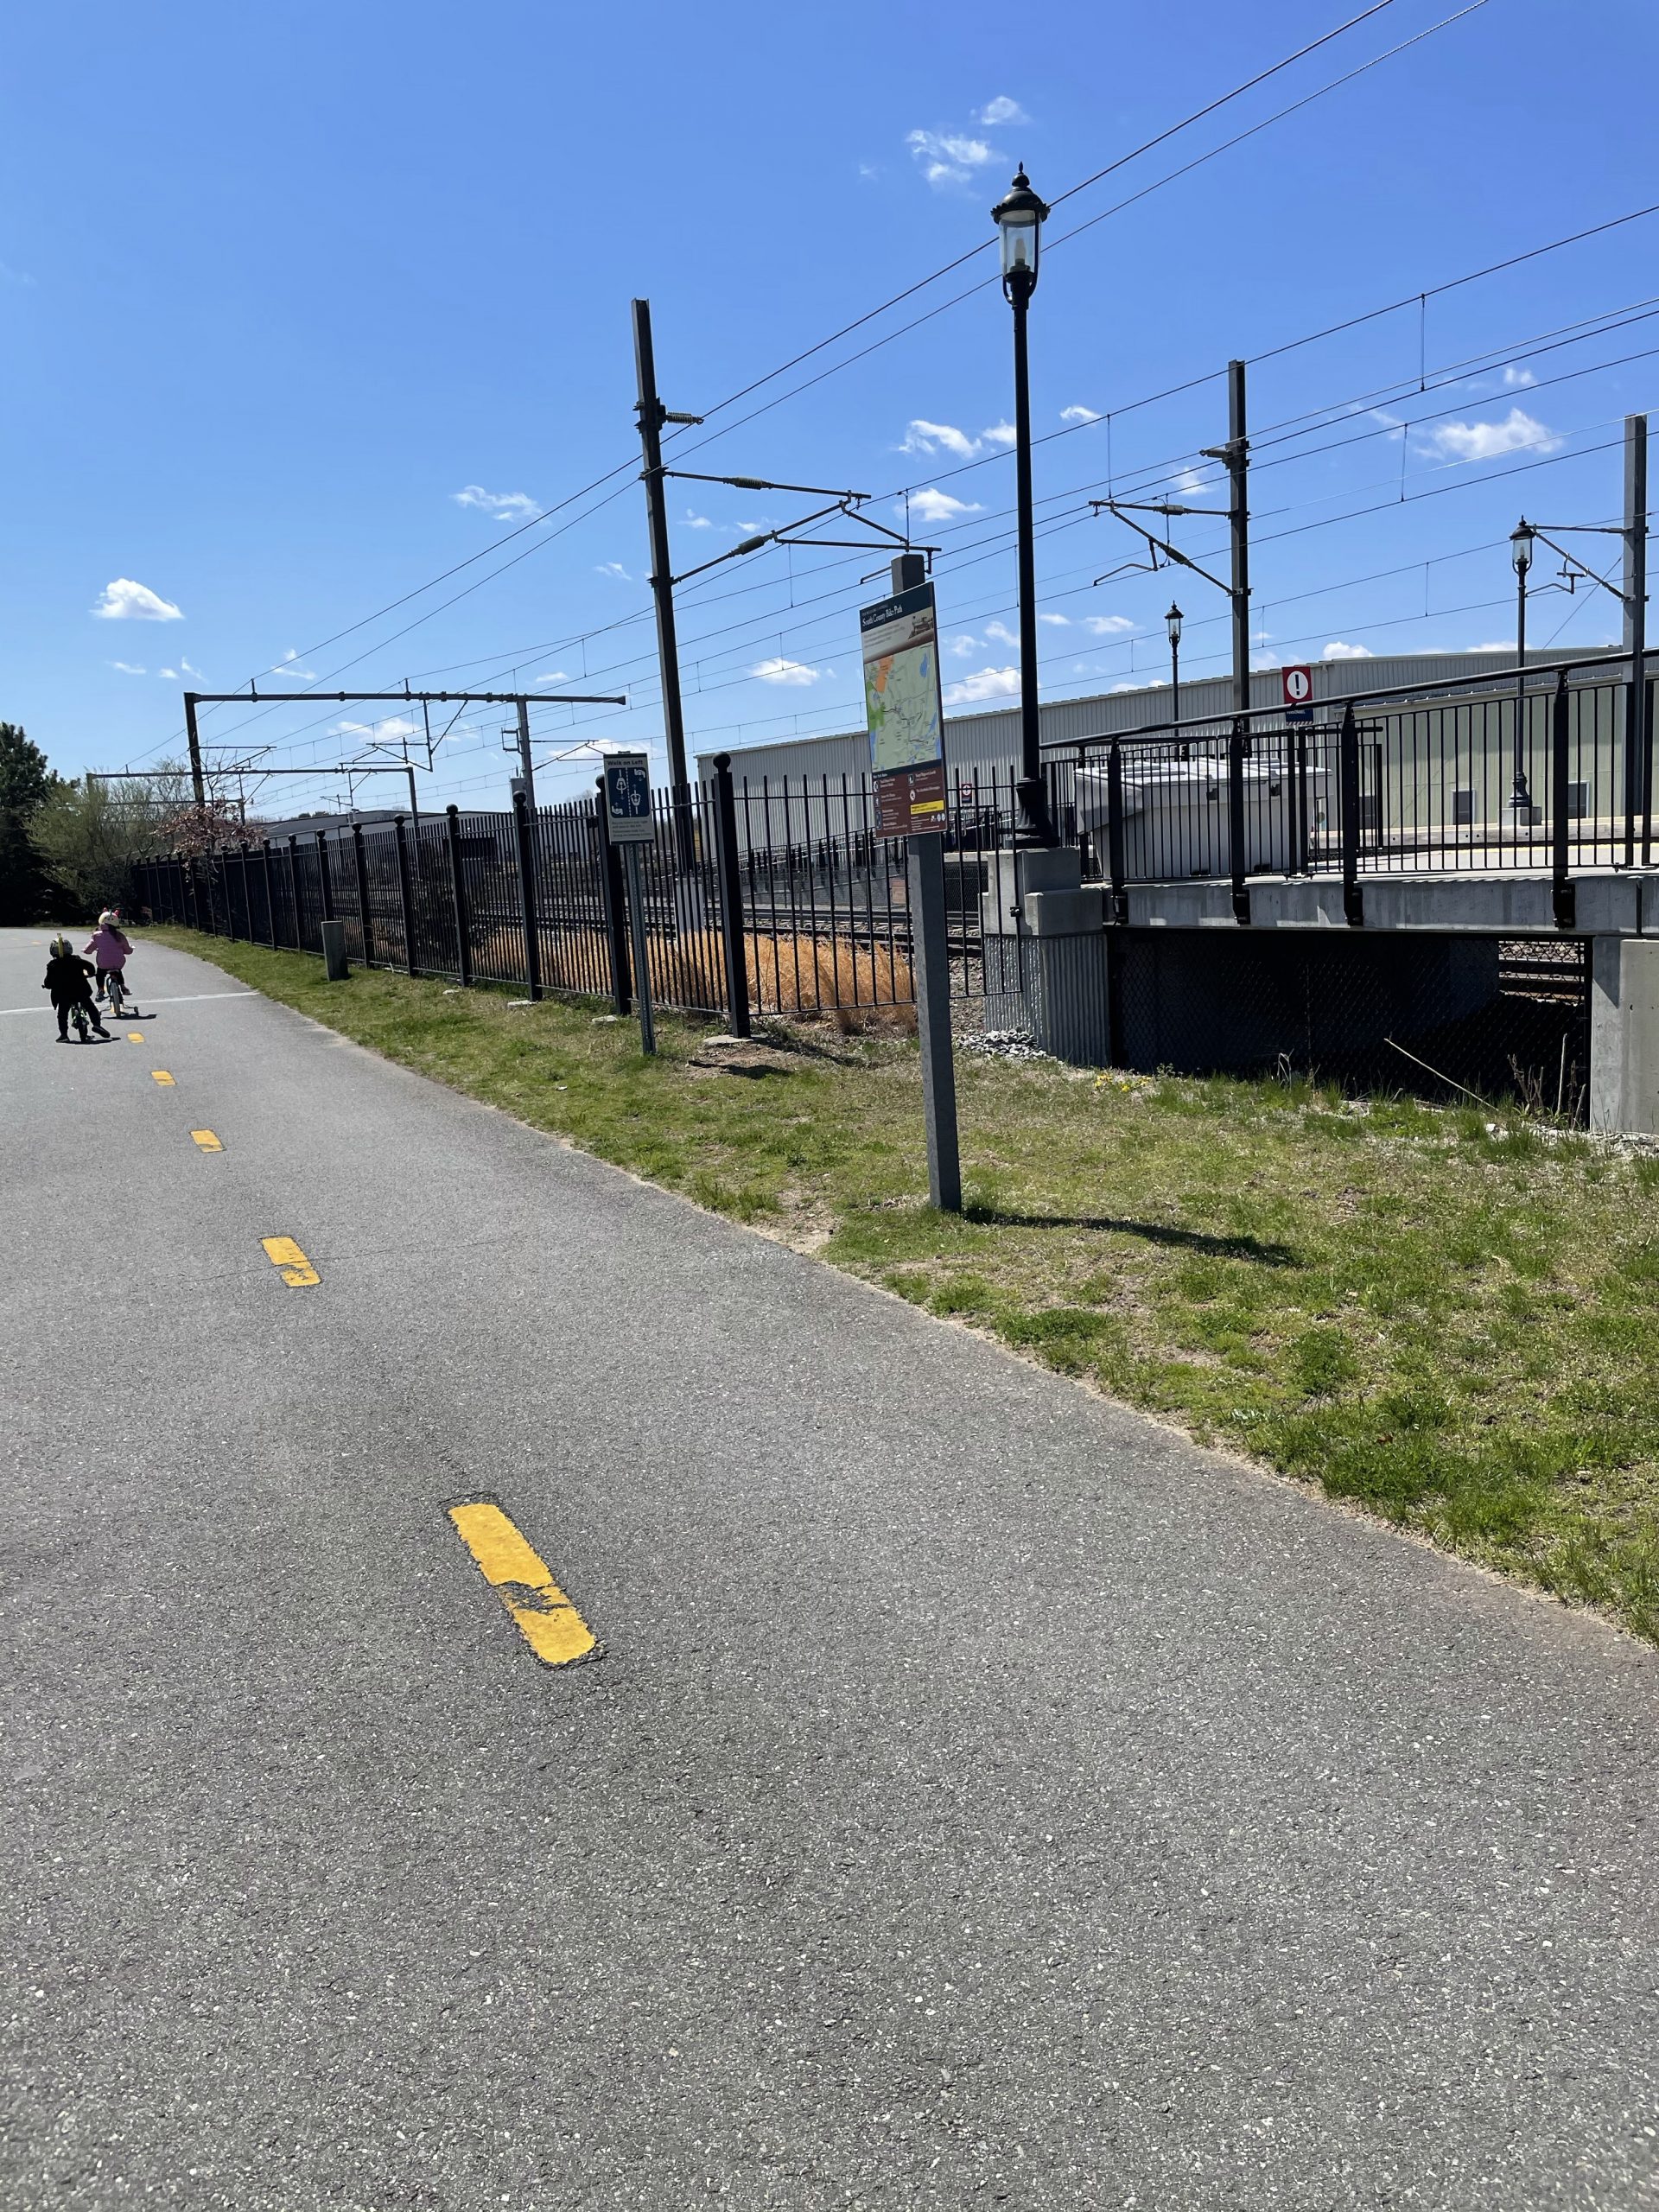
{"x": 1521, "y": 548}
{"x": 1019, "y": 216}
{"x": 1172, "y": 624}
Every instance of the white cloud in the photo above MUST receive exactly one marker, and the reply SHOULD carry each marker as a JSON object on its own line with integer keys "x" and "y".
{"x": 946, "y": 157}
{"x": 780, "y": 670}
{"x": 1514, "y": 376}
{"x": 10, "y": 275}
{"x": 553, "y": 676}
{"x": 287, "y": 666}
{"x": 922, "y": 436}
{"x": 1189, "y": 480}
{"x": 126, "y": 602}
{"x": 958, "y": 647}
{"x": 696, "y": 522}
{"x": 1060, "y": 621}
{"x": 934, "y": 506}
{"x": 1107, "y": 625}
{"x": 1337, "y": 650}
{"x": 127, "y": 668}
{"x": 1486, "y": 440}
{"x": 611, "y": 569}
{"x": 1498, "y": 645}
{"x": 1003, "y": 635}
{"x": 987, "y": 684}
{"x": 1079, "y": 414}
{"x": 869, "y": 169}
{"x": 926, "y": 437}
{"x": 505, "y": 506}
{"x": 1002, "y": 110}
{"x": 177, "y": 674}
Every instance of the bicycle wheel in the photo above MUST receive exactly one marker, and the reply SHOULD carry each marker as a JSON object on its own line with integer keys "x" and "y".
{"x": 78, "y": 1015}
{"x": 118, "y": 991}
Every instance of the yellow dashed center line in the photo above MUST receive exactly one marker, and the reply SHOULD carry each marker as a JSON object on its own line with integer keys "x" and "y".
{"x": 209, "y": 1142}
{"x": 161, "y": 1075}
{"x": 134, "y": 1036}
{"x": 297, "y": 1271}
{"x": 546, "y": 1620}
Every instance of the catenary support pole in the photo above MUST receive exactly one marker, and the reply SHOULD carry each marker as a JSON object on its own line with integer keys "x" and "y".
{"x": 1238, "y": 516}
{"x": 641, "y": 952}
{"x": 652, "y": 415}
{"x": 197, "y": 782}
{"x": 524, "y": 830}
{"x": 526, "y": 772}
{"x": 930, "y": 958}
{"x": 1639, "y": 766}
{"x": 734, "y": 937}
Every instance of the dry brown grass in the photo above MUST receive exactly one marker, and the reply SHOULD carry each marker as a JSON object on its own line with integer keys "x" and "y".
{"x": 861, "y": 988}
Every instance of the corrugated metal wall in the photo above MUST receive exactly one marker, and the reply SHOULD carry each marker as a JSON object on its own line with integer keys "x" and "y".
{"x": 992, "y": 739}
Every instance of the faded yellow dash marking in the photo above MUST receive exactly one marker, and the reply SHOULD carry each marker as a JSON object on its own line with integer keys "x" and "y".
{"x": 297, "y": 1271}
{"x": 161, "y": 1075}
{"x": 134, "y": 1036}
{"x": 546, "y": 1620}
{"x": 209, "y": 1142}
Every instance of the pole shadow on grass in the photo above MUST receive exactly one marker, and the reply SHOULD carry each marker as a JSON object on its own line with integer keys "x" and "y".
{"x": 1154, "y": 1232}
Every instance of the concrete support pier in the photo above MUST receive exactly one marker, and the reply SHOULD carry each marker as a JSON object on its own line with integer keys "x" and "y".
{"x": 1046, "y": 967}
{"x": 1624, "y": 1034}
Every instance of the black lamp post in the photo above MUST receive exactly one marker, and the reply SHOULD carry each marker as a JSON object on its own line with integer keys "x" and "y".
{"x": 1019, "y": 217}
{"x": 1172, "y": 624}
{"x": 1521, "y": 553}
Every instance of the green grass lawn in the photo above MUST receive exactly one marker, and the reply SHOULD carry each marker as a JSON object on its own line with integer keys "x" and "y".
{"x": 1442, "y": 1315}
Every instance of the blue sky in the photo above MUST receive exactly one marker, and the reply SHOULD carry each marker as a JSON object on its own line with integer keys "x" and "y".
{"x": 306, "y": 304}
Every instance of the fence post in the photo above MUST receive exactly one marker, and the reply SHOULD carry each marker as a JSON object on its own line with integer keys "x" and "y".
{"x": 359, "y": 860}
{"x": 458, "y": 894}
{"x": 1237, "y": 849}
{"x": 616, "y": 921}
{"x": 325, "y": 881}
{"x": 1299, "y": 801}
{"x": 271, "y": 893}
{"x": 1115, "y": 867}
{"x": 404, "y": 902}
{"x": 521, "y": 828}
{"x": 731, "y": 896}
{"x": 1563, "y": 893}
{"x": 1647, "y": 773}
{"x": 294, "y": 892}
{"x": 1353, "y": 906}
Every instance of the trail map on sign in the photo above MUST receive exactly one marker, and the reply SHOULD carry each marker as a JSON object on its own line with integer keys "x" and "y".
{"x": 901, "y": 681}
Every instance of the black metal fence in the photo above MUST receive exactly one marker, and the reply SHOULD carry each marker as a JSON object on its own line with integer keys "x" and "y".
{"x": 763, "y": 898}
{"x": 1547, "y": 771}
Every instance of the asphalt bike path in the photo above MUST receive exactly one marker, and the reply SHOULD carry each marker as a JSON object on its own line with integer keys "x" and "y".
{"x": 982, "y": 1795}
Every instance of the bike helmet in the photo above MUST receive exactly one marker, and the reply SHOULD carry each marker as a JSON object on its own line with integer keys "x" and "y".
{"x": 109, "y": 918}
{"x": 61, "y": 948}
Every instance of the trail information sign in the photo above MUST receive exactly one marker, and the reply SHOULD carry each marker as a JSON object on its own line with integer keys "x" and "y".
{"x": 628, "y": 799}
{"x": 905, "y": 709}
{"x": 1299, "y": 694}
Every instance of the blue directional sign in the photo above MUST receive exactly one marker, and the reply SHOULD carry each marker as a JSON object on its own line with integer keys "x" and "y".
{"x": 628, "y": 799}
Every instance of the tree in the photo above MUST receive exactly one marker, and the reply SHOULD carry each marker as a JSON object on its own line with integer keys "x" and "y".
{"x": 92, "y": 835}
{"x": 25, "y": 784}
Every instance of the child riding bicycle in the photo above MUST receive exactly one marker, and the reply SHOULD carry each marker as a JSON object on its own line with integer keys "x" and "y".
{"x": 69, "y": 979}
{"x": 110, "y": 947}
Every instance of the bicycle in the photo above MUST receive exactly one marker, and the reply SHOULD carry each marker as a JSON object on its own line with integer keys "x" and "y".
{"x": 118, "y": 991}
{"x": 81, "y": 1014}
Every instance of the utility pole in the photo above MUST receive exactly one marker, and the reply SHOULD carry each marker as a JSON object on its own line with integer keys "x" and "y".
{"x": 652, "y": 416}
{"x": 1638, "y": 764}
{"x": 195, "y": 750}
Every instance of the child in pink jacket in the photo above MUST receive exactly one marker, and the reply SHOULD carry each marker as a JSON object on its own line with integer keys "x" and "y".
{"x": 109, "y": 948}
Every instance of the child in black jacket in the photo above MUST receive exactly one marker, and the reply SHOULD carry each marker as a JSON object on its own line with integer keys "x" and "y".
{"x": 69, "y": 978}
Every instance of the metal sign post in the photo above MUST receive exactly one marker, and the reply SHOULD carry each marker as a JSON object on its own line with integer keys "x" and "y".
{"x": 629, "y": 818}
{"x": 906, "y": 724}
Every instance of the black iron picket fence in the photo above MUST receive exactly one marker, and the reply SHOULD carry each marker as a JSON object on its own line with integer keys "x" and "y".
{"x": 774, "y": 897}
